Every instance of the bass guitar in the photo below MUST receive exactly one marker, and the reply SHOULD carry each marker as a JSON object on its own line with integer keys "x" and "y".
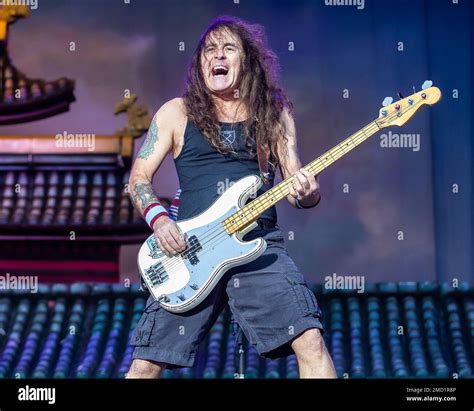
{"x": 214, "y": 237}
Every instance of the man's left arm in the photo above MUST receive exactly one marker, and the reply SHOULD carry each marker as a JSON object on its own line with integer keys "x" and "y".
{"x": 305, "y": 187}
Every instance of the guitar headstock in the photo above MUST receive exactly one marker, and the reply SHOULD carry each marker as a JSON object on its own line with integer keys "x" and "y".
{"x": 398, "y": 113}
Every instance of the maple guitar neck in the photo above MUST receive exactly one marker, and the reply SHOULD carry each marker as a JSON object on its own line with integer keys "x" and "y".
{"x": 251, "y": 211}
{"x": 392, "y": 114}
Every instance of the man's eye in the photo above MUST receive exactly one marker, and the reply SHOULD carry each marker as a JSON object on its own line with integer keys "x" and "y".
{"x": 230, "y": 48}
{"x": 209, "y": 49}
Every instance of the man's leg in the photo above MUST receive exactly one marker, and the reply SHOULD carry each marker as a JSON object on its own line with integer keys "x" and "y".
{"x": 277, "y": 311}
{"x": 312, "y": 355}
{"x": 145, "y": 369}
{"x": 161, "y": 337}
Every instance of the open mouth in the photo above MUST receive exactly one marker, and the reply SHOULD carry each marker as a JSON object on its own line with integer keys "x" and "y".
{"x": 219, "y": 71}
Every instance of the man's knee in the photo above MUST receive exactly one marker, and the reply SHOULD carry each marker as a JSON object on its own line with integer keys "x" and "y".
{"x": 145, "y": 369}
{"x": 309, "y": 344}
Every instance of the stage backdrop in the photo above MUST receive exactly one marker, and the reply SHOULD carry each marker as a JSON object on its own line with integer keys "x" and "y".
{"x": 387, "y": 213}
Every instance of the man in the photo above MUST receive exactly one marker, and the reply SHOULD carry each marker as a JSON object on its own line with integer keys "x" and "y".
{"x": 232, "y": 103}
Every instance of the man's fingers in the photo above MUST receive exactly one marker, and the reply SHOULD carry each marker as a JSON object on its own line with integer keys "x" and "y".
{"x": 313, "y": 185}
{"x": 177, "y": 237}
{"x": 165, "y": 246}
{"x": 309, "y": 177}
{"x": 168, "y": 249}
{"x": 316, "y": 178}
{"x": 292, "y": 191}
{"x": 160, "y": 245}
{"x": 172, "y": 243}
{"x": 303, "y": 180}
{"x": 298, "y": 185}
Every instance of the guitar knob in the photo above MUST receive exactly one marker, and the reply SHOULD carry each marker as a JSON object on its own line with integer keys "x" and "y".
{"x": 397, "y": 106}
{"x": 164, "y": 299}
{"x": 387, "y": 101}
{"x": 426, "y": 84}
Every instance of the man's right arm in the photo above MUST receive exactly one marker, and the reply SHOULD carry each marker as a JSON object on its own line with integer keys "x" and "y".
{"x": 158, "y": 143}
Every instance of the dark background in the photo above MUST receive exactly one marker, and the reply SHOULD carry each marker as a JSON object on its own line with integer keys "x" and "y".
{"x": 136, "y": 46}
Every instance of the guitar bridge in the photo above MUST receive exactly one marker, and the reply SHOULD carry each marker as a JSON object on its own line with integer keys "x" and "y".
{"x": 156, "y": 274}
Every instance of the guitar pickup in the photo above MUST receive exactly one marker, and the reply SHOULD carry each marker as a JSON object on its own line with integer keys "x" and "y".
{"x": 156, "y": 274}
{"x": 193, "y": 246}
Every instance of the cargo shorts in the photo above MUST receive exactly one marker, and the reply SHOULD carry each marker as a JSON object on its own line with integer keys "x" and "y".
{"x": 268, "y": 298}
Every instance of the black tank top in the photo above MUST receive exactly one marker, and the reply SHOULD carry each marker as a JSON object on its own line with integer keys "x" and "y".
{"x": 204, "y": 173}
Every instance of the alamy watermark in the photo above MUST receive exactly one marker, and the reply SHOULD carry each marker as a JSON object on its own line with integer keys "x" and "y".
{"x": 224, "y": 185}
{"x": 28, "y": 393}
{"x": 395, "y": 140}
{"x": 345, "y": 282}
{"x": 32, "y": 4}
{"x": 360, "y": 4}
{"x": 76, "y": 140}
{"x": 19, "y": 282}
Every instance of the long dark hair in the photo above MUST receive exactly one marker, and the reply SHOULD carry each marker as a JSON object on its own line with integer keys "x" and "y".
{"x": 259, "y": 89}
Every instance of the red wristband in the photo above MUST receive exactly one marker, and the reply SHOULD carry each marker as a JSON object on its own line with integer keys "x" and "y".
{"x": 150, "y": 206}
{"x": 156, "y": 218}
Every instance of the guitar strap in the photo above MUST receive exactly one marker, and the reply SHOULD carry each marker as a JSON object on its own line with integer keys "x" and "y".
{"x": 263, "y": 159}
{"x": 263, "y": 164}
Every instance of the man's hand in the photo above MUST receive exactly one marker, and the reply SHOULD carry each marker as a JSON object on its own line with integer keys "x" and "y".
{"x": 168, "y": 236}
{"x": 305, "y": 188}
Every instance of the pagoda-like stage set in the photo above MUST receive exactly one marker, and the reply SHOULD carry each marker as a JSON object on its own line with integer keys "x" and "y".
{"x": 66, "y": 220}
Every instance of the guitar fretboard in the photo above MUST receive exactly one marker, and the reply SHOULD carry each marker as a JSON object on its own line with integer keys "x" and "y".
{"x": 251, "y": 211}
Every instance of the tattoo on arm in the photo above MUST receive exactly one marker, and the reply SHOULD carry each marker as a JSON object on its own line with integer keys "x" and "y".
{"x": 151, "y": 138}
{"x": 143, "y": 195}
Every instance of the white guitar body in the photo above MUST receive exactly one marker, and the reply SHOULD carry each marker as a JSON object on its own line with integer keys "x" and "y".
{"x": 183, "y": 281}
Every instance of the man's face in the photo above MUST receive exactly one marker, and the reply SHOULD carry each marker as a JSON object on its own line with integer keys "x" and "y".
{"x": 220, "y": 61}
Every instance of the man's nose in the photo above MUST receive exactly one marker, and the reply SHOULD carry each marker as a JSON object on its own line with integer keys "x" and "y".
{"x": 220, "y": 53}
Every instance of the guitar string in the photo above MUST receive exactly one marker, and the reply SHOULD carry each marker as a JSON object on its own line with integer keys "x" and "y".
{"x": 282, "y": 186}
{"x": 263, "y": 205}
{"x": 221, "y": 234}
{"x": 314, "y": 165}
{"x": 320, "y": 160}
{"x": 357, "y": 137}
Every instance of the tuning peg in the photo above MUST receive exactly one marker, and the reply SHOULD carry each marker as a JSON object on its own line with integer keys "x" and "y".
{"x": 399, "y": 94}
{"x": 426, "y": 84}
{"x": 387, "y": 101}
